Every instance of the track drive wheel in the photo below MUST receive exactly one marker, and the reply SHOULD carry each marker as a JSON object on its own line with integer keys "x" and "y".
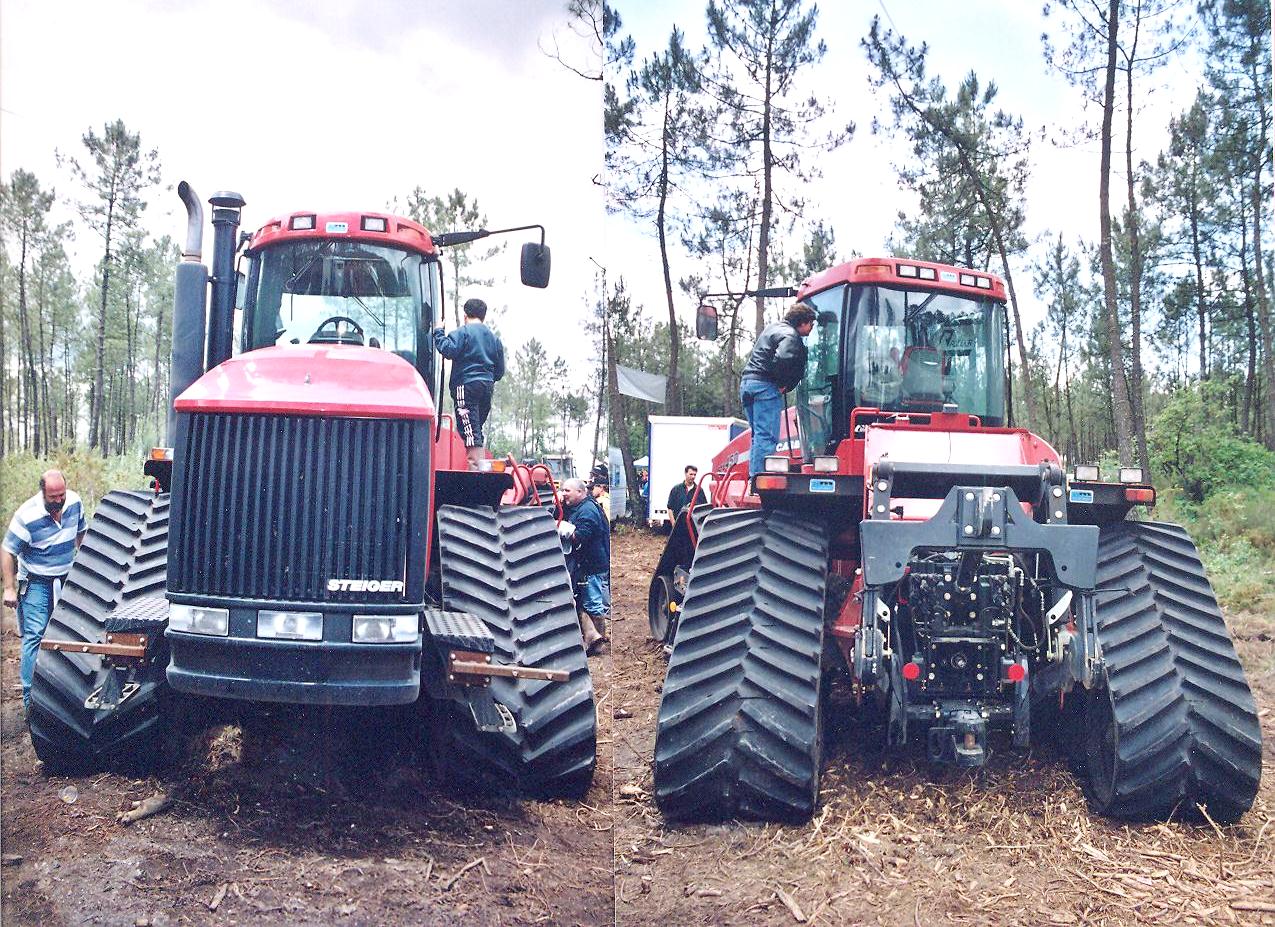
{"x": 1176, "y": 725}
{"x": 659, "y": 598}
{"x": 739, "y": 732}
{"x": 124, "y": 558}
{"x": 507, "y": 568}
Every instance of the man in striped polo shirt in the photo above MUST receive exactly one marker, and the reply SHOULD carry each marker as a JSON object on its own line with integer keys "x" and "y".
{"x": 37, "y": 552}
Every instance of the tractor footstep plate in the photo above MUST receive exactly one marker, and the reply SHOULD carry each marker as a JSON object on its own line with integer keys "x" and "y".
{"x": 459, "y": 630}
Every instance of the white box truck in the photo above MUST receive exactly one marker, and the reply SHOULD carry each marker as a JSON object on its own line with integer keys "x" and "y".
{"x": 673, "y": 442}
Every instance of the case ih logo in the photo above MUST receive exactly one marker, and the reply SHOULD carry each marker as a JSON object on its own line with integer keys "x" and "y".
{"x": 365, "y": 585}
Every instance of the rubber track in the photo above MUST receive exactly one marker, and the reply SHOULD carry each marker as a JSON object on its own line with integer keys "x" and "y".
{"x": 739, "y": 728}
{"x": 1186, "y": 727}
{"x": 124, "y": 556}
{"x": 506, "y": 566}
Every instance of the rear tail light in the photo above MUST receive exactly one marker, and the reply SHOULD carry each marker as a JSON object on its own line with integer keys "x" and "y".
{"x": 911, "y": 670}
{"x": 770, "y": 481}
{"x": 1140, "y": 496}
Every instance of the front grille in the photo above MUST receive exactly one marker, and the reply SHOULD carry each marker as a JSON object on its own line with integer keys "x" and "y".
{"x": 273, "y": 506}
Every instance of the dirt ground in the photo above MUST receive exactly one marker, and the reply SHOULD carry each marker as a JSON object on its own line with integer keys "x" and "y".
{"x": 892, "y": 844}
{"x": 255, "y": 835}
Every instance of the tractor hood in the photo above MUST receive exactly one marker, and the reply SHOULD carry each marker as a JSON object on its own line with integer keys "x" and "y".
{"x": 913, "y": 444}
{"x": 328, "y": 380}
{"x": 968, "y": 455}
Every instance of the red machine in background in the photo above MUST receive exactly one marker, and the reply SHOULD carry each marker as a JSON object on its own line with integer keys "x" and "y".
{"x": 907, "y": 537}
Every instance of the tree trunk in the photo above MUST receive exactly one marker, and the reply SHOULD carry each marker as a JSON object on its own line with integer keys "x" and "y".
{"x": 96, "y": 416}
{"x": 767, "y": 182}
{"x": 672, "y": 395}
{"x": 1135, "y": 268}
{"x": 1122, "y": 413}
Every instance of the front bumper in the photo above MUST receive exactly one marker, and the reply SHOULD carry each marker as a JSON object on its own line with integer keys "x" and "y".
{"x": 332, "y": 671}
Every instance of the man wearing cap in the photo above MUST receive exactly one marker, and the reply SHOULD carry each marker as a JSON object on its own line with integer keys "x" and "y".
{"x": 600, "y": 489}
{"x": 35, "y": 557}
{"x": 777, "y": 364}
{"x": 478, "y": 361}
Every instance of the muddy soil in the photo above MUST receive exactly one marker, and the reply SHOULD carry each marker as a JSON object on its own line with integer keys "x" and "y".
{"x": 296, "y": 818}
{"x": 893, "y": 844}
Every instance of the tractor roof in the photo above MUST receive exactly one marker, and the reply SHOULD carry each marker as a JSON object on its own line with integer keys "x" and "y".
{"x": 372, "y": 227}
{"x": 910, "y": 273}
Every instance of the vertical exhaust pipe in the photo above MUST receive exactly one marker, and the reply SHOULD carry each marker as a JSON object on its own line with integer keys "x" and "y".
{"x": 221, "y": 314}
{"x": 190, "y": 287}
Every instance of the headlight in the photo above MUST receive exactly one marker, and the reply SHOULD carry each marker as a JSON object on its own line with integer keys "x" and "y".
{"x": 294, "y": 626}
{"x": 827, "y": 464}
{"x": 1086, "y": 474}
{"x": 776, "y": 464}
{"x": 197, "y": 619}
{"x": 385, "y": 629}
{"x": 1131, "y": 475}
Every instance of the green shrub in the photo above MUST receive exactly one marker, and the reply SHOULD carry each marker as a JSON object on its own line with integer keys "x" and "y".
{"x": 1200, "y": 452}
{"x": 87, "y": 473}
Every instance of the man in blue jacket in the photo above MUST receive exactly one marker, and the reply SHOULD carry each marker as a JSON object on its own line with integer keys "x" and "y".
{"x": 589, "y": 560}
{"x": 478, "y": 361}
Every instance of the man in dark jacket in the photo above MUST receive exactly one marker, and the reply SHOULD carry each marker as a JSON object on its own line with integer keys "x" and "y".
{"x": 680, "y": 494}
{"x": 589, "y": 561}
{"x": 478, "y": 361}
{"x": 776, "y": 365}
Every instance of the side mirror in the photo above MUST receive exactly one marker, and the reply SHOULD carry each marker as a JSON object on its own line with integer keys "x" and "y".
{"x": 535, "y": 265}
{"x": 706, "y": 323}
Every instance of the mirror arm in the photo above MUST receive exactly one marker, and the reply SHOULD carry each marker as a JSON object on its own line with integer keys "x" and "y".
{"x": 446, "y": 239}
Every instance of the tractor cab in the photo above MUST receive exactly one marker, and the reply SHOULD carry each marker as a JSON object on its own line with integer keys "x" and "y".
{"x": 890, "y": 340}
{"x": 364, "y": 280}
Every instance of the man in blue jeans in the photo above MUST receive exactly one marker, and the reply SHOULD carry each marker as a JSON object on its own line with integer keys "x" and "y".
{"x": 776, "y": 365}
{"x": 589, "y": 561}
{"x": 35, "y": 557}
{"x": 478, "y": 361}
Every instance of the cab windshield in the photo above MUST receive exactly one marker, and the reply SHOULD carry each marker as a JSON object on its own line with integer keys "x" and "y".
{"x": 918, "y": 350}
{"x": 898, "y": 350}
{"x": 338, "y": 291}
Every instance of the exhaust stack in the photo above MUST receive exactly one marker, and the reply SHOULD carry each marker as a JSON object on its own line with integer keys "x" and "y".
{"x": 190, "y": 287}
{"x": 221, "y": 315}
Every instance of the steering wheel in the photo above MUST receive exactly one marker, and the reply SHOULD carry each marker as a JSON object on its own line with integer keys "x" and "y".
{"x": 336, "y": 336}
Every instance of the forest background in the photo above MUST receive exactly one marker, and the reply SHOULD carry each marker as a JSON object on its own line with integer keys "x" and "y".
{"x": 1141, "y": 332}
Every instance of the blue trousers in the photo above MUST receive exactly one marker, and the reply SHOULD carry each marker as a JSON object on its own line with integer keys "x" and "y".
{"x": 764, "y": 408}
{"x": 595, "y": 594}
{"x": 34, "y": 610}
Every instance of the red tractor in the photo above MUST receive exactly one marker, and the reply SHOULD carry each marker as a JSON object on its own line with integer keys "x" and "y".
{"x": 314, "y": 534}
{"x": 906, "y": 537}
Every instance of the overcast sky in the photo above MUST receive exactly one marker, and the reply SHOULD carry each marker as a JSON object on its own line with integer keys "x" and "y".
{"x": 858, "y": 194}
{"x": 329, "y": 104}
